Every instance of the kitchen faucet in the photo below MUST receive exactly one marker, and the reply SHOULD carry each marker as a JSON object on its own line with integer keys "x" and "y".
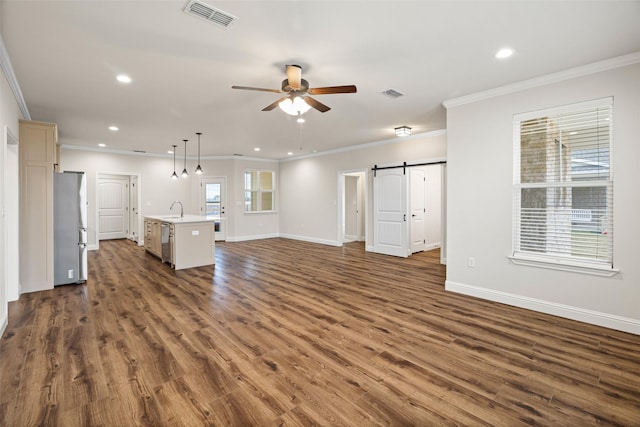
{"x": 181, "y": 207}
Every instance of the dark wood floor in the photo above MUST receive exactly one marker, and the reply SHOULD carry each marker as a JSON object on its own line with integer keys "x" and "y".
{"x": 292, "y": 333}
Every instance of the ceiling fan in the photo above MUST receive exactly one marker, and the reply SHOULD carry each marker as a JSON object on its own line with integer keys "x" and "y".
{"x": 297, "y": 89}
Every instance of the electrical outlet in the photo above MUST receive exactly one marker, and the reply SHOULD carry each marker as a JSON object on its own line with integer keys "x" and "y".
{"x": 471, "y": 262}
{"x": 70, "y": 274}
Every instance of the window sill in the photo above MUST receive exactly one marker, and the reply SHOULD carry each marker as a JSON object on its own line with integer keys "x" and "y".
{"x": 556, "y": 264}
{"x": 260, "y": 212}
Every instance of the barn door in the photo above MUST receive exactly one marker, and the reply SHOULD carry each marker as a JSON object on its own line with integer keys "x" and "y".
{"x": 390, "y": 207}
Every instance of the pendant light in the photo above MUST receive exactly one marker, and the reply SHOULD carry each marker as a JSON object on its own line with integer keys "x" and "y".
{"x": 184, "y": 171}
{"x": 198, "y": 168}
{"x": 174, "y": 175}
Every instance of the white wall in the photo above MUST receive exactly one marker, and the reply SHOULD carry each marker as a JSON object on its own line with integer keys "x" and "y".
{"x": 479, "y": 204}
{"x": 309, "y": 205}
{"x": 158, "y": 190}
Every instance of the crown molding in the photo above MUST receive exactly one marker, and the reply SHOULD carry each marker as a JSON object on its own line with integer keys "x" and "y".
{"x": 572, "y": 73}
{"x": 369, "y": 144}
{"x": 7, "y": 69}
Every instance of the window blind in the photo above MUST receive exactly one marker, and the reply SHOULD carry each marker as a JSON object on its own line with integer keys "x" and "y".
{"x": 563, "y": 187}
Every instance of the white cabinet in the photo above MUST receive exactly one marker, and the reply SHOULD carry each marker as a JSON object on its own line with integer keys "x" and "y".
{"x": 38, "y": 160}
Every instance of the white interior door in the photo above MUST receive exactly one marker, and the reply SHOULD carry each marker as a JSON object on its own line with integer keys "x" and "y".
{"x": 113, "y": 207}
{"x": 214, "y": 204}
{"x": 390, "y": 231}
{"x": 418, "y": 209}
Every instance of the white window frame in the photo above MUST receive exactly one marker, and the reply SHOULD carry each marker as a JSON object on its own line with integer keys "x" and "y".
{"x": 569, "y": 263}
{"x": 259, "y": 192}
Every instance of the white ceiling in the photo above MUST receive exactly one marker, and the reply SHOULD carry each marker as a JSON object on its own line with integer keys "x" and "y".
{"x": 66, "y": 55}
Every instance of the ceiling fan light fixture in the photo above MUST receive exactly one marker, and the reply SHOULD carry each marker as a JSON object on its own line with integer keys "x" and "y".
{"x": 295, "y": 106}
{"x": 403, "y": 131}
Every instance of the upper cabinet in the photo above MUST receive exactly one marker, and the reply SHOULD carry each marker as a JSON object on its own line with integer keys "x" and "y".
{"x": 38, "y": 159}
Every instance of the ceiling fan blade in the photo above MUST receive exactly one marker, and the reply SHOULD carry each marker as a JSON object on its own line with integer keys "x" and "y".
{"x": 256, "y": 88}
{"x": 316, "y": 104}
{"x": 274, "y": 105}
{"x": 332, "y": 89}
{"x": 294, "y": 76}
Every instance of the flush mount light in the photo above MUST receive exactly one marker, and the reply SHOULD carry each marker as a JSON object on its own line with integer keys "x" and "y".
{"x": 290, "y": 153}
{"x": 256, "y": 149}
{"x": 403, "y": 131}
{"x": 504, "y": 53}
{"x": 114, "y": 128}
{"x": 174, "y": 175}
{"x": 123, "y": 78}
{"x": 102, "y": 145}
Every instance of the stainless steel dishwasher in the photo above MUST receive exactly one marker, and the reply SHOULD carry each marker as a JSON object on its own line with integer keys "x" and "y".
{"x": 167, "y": 243}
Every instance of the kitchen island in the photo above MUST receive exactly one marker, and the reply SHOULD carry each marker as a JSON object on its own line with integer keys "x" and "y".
{"x": 181, "y": 241}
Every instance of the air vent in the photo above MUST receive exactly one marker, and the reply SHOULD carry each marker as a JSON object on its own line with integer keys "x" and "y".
{"x": 139, "y": 151}
{"x": 392, "y": 93}
{"x": 210, "y": 13}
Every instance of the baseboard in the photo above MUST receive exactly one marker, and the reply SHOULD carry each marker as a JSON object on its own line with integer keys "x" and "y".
{"x": 310, "y": 239}
{"x": 254, "y": 237}
{"x": 3, "y": 324}
{"x": 432, "y": 246}
{"x": 92, "y": 247}
{"x": 606, "y": 320}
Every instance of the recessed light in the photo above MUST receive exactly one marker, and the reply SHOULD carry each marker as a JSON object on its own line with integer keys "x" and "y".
{"x": 123, "y": 78}
{"x": 504, "y": 53}
{"x": 290, "y": 153}
{"x": 256, "y": 149}
{"x": 300, "y": 120}
{"x": 170, "y": 152}
{"x": 102, "y": 145}
{"x": 114, "y": 128}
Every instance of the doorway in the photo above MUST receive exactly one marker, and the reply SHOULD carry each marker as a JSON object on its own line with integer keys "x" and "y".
{"x": 213, "y": 203}
{"x": 352, "y": 192}
{"x": 118, "y": 207}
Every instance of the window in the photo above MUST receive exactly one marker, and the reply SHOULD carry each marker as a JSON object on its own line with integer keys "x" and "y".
{"x": 563, "y": 201}
{"x": 259, "y": 191}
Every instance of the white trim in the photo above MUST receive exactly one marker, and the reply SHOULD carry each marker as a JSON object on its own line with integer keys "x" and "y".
{"x": 369, "y": 145}
{"x": 5, "y": 323}
{"x": 95, "y": 247}
{"x": 584, "y": 70}
{"x": 254, "y": 237}
{"x": 7, "y": 68}
{"x": 606, "y": 320}
{"x": 310, "y": 239}
{"x": 168, "y": 156}
{"x": 432, "y": 246}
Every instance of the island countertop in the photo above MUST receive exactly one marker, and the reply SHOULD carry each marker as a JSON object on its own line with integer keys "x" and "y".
{"x": 186, "y": 219}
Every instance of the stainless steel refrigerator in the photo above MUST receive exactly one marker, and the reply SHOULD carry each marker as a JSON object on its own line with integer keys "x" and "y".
{"x": 69, "y": 228}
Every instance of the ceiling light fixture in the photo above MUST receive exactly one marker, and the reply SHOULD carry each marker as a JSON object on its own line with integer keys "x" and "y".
{"x": 504, "y": 53}
{"x": 295, "y": 106}
{"x": 256, "y": 149}
{"x": 198, "y": 168}
{"x": 403, "y": 131}
{"x": 114, "y": 128}
{"x": 102, "y": 145}
{"x": 174, "y": 175}
{"x": 290, "y": 153}
{"x": 184, "y": 171}
{"x": 123, "y": 78}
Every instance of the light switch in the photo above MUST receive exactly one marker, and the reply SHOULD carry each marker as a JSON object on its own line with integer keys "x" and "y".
{"x": 195, "y": 232}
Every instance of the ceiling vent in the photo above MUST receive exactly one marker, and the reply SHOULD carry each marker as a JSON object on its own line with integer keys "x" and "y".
{"x": 210, "y": 13}
{"x": 392, "y": 93}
